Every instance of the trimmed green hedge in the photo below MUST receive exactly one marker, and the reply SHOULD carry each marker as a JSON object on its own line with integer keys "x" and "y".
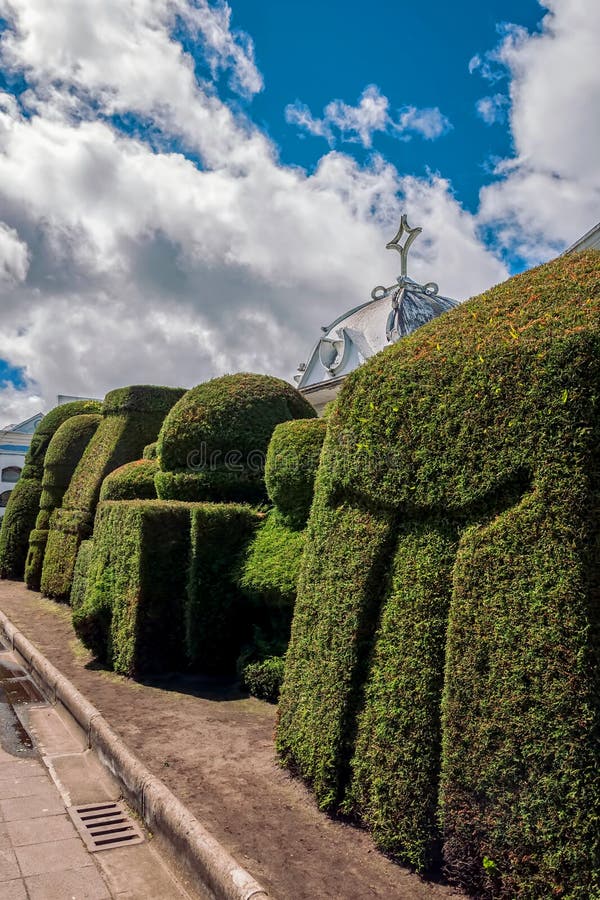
{"x": 132, "y": 418}
{"x": 132, "y": 616}
{"x": 150, "y": 451}
{"x": 22, "y": 508}
{"x": 64, "y": 452}
{"x": 395, "y": 764}
{"x": 483, "y": 424}
{"x": 291, "y": 467}
{"x": 133, "y": 481}
{"x": 270, "y": 567}
{"x": 264, "y": 679}
{"x": 213, "y": 444}
{"x": 80, "y": 575}
{"x": 216, "y": 616}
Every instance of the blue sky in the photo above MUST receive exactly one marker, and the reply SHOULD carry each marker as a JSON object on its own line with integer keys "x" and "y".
{"x": 191, "y": 187}
{"x": 417, "y": 54}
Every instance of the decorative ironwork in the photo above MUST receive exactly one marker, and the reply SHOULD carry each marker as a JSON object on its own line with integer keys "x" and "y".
{"x": 403, "y": 281}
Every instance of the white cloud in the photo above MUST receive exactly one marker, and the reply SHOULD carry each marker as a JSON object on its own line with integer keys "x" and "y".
{"x": 128, "y": 263}
{"x": 492, "y": 109}
{"x": 549, "y": 193}
{"x": 358, "y": 124}
{"x": 14, "y": 256}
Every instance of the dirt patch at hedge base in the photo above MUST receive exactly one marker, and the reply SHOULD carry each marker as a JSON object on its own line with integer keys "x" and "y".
{"x": 213, "y": 747}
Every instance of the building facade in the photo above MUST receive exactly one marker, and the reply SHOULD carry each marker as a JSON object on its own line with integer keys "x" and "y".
{"x": 14, "y": 444}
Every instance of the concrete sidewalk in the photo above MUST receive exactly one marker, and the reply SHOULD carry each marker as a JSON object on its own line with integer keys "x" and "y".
{"x": 45, "y": 768}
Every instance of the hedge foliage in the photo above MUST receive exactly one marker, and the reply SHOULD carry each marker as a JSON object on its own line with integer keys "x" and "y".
{"x": 133, "y": 481}
{"x": 82, "y": 564}
{"x": 132, "y": 418}
{"x": 270, "y": 567}
{"x": 481, "y": 428}
{"x": 132, "y": 616}
{"x": 150, "y": 451}
{"x": 263, "y": 679}
{"x": 22, "y": 508}
{"x": 64, "y": 452}
{"x": 213, "y": 444}
{"x": 291, "y": 465}
{"x": 216, "y": 616}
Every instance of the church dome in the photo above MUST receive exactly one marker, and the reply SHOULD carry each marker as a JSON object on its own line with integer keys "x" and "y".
{"x": 391, "y": 314}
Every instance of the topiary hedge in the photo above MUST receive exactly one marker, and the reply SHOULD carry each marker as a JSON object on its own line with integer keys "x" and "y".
{"x": 270, "y": 567}
{"x": 131, "y": 419}
{"x": 216, "y": 616}
{"x": 23, "y": 505}
{"x": 465, "y": 455}
{"x": 291, "y": 467}
{"x": 133, "y": 481}
{"x": 64, "y": 452}
{"x": 263, "y": 679}
{"x": 80, "y": 575}
{"x": 132, "y": 615}
{"x": 150, "y": 451}
{"x": 213, "y": 443}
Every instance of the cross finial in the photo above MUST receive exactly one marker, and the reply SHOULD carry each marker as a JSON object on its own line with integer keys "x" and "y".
{"x": 403, "y": 249}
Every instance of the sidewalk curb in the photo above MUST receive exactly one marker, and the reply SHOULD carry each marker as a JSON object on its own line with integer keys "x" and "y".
{"x": 201, "y": 854}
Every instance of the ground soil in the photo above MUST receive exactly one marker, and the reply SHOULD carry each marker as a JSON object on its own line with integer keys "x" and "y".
{"x": 213, "y": 747}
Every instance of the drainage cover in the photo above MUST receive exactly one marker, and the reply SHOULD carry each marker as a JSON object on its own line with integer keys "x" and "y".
{"x": 104, "y": 826}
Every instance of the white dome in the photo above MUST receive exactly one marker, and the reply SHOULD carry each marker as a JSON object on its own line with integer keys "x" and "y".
{"x": 367, "y": 329}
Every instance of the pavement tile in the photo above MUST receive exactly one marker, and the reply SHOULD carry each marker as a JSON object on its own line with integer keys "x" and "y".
{"x": 82, "y": 884}
{"x": 138, "y": 873}
{"x": 21, "y": 787}
{"x": 20, "y": 768}
{"x": 48, "y": 803}
{"x": 52, "y": 856}
{"x": 39, "y": 831}
{"x": 13, "y": 890}
{"x": 8, "y": 865}
{"x": 4, "y": 838}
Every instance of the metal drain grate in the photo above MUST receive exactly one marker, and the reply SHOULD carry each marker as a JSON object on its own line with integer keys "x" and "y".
{"x": 104, "y": 826}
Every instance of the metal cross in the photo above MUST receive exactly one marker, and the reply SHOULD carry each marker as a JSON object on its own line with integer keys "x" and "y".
{"x": 394, "y": 244}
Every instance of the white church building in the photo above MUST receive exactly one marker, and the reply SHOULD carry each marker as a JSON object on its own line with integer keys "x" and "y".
{"x": 14, "y": 444}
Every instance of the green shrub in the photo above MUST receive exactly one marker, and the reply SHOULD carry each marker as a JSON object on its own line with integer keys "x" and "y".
{"x": 213, "y": 443}
{"x": 22, "y": 508}
{"x": 216, "y": 616}
{"x": 17, "y": 524}
{"x": 263, "y": 679}
{"x": 150, "y": 451}
{"x": 82, "y": 564}
{"x": 63, "y": 454}
{"x": 270, "y": 567}
{"x": 133, "y": 481}
{"x": 132, "y": 615}
{"x": 483, "y": 424}
{"x": 291, "y": 466}
{"x": 131, "y": 419}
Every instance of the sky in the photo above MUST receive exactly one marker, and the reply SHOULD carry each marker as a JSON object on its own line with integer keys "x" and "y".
{"x": 189, "y": 188}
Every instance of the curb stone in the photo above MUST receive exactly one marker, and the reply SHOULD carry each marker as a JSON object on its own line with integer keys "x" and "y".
{"x": 202, "y": 856}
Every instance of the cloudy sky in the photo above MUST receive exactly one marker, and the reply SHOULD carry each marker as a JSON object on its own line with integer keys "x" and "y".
{"x": 189, "y": 188}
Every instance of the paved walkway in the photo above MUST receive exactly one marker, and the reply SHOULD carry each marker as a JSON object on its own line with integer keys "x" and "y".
{"x": 45, "y": 767}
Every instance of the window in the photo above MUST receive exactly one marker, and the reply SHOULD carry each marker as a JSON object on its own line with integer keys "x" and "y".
{"x": 4, "y": 499}
{"x": 10, "y": 474}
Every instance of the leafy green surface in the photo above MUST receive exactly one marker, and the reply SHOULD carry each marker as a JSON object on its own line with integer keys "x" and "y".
{"x": 133, "y": 481}
{"x": 486, "y": 419}
{"x": 22, "y": 508}
{"x": 291, "y": 466}
{"x": 214, "y": 441}
{"x": 131, "y": 419}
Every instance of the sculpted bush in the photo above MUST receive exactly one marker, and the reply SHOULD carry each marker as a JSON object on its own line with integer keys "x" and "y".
{"x": 131, "y": 418}
{"x": 213, "y": 443}
{"x": 64, "y": 452}
{"x": 452, "y": 565}
{"x": 23, "y": 505}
